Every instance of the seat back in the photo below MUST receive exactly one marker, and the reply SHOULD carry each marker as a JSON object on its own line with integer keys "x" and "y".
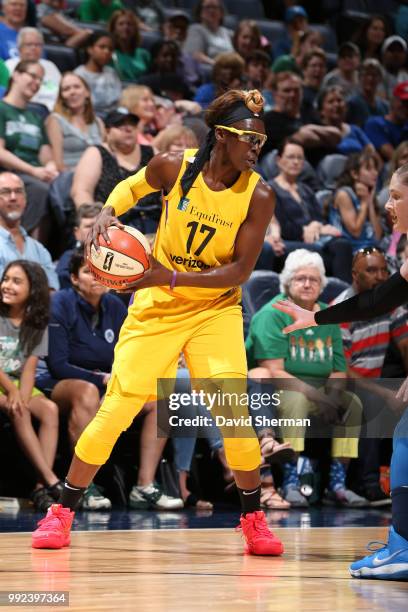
{"x": 330, "y": 168}
{"x": 64, "y": 58}
{"x": 333, "y": 288}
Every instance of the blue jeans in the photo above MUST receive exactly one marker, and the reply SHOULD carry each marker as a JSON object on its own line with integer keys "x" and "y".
{"x": 184, "y": 446}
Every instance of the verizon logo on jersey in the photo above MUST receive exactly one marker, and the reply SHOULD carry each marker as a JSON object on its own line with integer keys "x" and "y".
{"x": 189, "y": 262}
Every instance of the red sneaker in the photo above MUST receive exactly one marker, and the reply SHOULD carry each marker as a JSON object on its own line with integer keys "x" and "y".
{"x": 54, "y": 529}
{"x": 259, "y": 538}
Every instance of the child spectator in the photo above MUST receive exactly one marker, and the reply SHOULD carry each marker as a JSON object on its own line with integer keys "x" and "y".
{"x": 354, "y": 210}
{"x": 103, "y": 80}
{"x": 24, "y": 304}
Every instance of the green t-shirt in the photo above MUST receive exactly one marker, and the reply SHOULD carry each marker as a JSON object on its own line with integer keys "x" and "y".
{"x": 23, "y": 132}
{"x": 131, "y": 67}
{"x": 94, "y": 10}
{"x": 4, "y": 74}
{"x": 315, "y": 352}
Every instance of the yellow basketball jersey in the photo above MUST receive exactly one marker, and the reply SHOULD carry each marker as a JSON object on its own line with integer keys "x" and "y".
{"x": 199, "y": 231}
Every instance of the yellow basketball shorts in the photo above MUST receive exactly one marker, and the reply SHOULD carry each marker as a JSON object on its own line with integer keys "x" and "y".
{"x": 157, "y": 329}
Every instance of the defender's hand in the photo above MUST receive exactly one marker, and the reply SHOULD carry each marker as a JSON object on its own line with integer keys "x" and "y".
{"x": 302, "y": 317}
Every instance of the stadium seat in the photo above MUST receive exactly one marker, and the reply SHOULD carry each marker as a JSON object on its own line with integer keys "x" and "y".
{"x": 330, "y": 168}
{"x": 60, "y": 200}
{"x": 72, "y": 6}
{"x": 64, "y": 58}
{"x": 324, "y": 196}
{"x": 328, "y": 35}
{"x": 187, "y": 4}
{"x": 263, "y": 285}
{"x": 245, "y": 9}
{"x": 268, "y": 168}
{"x": 259, "y": 289}
{"x": 149, "y": 39}
{"x": 273, "y": 30}
{"x": 231, "y": 22}
{"x": 333, "y": 288}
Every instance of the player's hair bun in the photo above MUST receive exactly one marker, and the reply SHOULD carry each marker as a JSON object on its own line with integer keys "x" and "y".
{"x": 254, "y": 101}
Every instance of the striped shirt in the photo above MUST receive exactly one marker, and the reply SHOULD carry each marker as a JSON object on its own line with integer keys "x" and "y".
{"x": 365, "y": 342}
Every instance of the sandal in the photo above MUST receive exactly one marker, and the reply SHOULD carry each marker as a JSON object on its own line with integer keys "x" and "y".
{"x": 271, "y": 500}
{"x": 273, "y": 451}
{"x": 192, "y": 501}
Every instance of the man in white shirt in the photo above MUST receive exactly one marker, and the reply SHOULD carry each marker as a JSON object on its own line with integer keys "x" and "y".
{"x": 30, "y": 44}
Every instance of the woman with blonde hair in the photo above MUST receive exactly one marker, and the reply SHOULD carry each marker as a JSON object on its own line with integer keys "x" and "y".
{"x": 73, "y": 126}
{"x": 175, "y": 138}
{"x": 139, "y": 99}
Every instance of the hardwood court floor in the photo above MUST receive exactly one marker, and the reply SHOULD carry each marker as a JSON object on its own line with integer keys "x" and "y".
{"x": 201, "y": 569}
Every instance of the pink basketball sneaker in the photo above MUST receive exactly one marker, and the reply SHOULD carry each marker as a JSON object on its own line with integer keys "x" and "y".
{"x": 54, "y": 531}
{"x": 259, "y": 538}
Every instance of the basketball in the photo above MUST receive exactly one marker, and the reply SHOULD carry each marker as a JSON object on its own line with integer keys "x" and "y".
{"x": 123, "y": 261}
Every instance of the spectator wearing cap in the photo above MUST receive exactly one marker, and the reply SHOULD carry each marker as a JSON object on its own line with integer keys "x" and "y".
{"x": 285, "y": 63}
{"x": 30, "y": 43}
{"x": 346, "y": 73}
{"x": 227, "y": 74}
{"x": 314, "y": 68}
{"x": 296, "y": 20}
{"x": 176, "y": 24}
{"x": 103, "y": 166}
{"x": 175, "y": 28}
{"x": 129, "y": 59}
{"x": 387, "y": 132}
{"x": 394, "y": 59}
{"x": 366, "y": 103}
{"x": 208, "y": 38}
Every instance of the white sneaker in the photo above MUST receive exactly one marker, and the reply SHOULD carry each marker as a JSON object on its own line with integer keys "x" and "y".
{"x": 94, "y": 500}
{"x": 151, "y": 496}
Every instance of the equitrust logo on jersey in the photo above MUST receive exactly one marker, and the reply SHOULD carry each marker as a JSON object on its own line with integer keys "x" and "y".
{"x": 183, "y": 204}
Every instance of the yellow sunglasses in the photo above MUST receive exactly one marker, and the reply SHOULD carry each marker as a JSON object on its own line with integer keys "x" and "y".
{"x": 254, "y": 139}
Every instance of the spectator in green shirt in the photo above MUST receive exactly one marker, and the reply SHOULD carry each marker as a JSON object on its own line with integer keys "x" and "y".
{"x": 129, "y": 59}
{"x": 24, "y": 147}
{"x": 316, "y": 354}
{"x": 98, "y": 10}
{"x": 4, "y": 76}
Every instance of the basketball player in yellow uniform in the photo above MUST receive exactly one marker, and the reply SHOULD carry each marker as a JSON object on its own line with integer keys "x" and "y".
{"x": 215, "y": 214}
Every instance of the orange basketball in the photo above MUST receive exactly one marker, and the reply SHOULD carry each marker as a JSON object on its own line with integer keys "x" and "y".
{"x": 123, "y": 261}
